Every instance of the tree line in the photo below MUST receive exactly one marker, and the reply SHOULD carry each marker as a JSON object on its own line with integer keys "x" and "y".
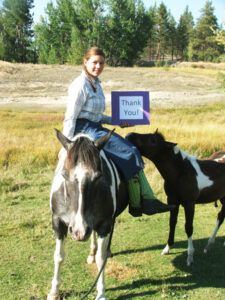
{"x": 127, "y": 31}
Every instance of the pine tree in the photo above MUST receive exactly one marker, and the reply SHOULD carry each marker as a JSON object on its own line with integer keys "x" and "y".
{"x": 16, "y": 22}
{"x": 2, "y": 45}
{"x": 53, "y": 33}
{"x": 172, "y": 40}
{"x": 184, "y": 32}
{"x": 88, "y": 28}
{"x": 127, "y": 32}
{"x": 203, "y": 43}
{"x": 162, "y": 30}
{"x": 69, "y": 28}
{"x": 150, "y": 50}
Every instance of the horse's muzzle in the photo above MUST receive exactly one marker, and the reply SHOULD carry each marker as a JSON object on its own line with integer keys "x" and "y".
{"x": 80, "y": 235}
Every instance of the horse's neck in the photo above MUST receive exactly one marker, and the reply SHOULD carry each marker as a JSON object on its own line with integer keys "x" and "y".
{"x": 167, "y": 167}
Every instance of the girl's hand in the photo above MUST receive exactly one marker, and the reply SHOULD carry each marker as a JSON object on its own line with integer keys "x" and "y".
{"x": 125, "y": 124}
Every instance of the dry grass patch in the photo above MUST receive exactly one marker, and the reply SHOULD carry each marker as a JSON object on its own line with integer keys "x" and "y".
{"x": 120, "y": 271}
{"x": 7, "y": 68}
{"x": 202, "y": 65}
{"x": 116, "y": 270}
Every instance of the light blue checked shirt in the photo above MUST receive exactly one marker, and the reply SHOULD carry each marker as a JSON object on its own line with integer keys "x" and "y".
{"x": 84, "y": 103}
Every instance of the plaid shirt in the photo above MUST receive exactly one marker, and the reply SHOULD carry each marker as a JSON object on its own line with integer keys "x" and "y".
{"x": 85, "y": 100}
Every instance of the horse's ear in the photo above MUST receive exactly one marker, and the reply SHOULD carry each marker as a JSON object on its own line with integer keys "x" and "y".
{"x": 66, "y": 143}
{"x": 170, "y": 144}
{"x": 156, "y": 131}
{"x": 100, "y": 143}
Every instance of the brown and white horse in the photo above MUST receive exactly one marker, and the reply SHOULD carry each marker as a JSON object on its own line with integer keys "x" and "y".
{"x": 86, "y": 195}
{"x": 218, "y": 156}
{"x": 187, "y": 181}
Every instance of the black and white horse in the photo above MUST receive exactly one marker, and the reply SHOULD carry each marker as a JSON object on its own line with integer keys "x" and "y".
{"x": 86, "y": 195}
{"x": 187, "y": 181}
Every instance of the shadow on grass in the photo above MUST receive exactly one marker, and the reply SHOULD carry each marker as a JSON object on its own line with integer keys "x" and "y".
{"x": 208, "y": 270}
{"x": 129, "y": 286}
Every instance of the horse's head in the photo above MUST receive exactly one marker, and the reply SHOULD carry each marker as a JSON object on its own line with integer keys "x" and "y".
{"x": 150, "y": 144}
{"x": 82, "y": 171}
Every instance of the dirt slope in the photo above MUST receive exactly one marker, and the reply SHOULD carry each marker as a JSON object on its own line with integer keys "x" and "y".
{"x": 27, "y": 85}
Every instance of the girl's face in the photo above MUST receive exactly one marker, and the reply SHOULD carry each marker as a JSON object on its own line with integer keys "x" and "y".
{"x": 94, "y": 65}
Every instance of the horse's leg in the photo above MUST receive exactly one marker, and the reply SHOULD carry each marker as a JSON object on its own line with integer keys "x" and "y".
{"x": 173, "y": 222}
{"x": 220, "y": 219}
{"x": 58, "y": 259}
{"x": 189, "y": 217}
{"x": 100, "y": 259}
{"x": 93, "y": 248}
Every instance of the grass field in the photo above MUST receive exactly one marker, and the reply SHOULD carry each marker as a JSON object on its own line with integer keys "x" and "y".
{"x": 28, "y": 153}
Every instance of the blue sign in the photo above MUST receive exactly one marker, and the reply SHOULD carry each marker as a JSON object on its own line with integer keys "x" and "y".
{"x": 132, "y": 107}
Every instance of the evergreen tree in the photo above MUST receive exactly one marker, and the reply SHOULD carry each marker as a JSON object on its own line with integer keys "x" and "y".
{"x": 124, "y": 29}
{"x": 150, "y": 50}
{"x": 172, "y": 39}
{"x": 88, "y": 28}
{"x": 16, "y": 21}
{"x": 162, "y": 30}
{"x": 68, "y": 29}
{"x": 220, "y": 36}
{"x": 203, "y": 43}
{"x": 2, "y": 45}
{"x": 53, "y": 33}
{"x": 127, "y": 32}
{"x": 184, "y": 32}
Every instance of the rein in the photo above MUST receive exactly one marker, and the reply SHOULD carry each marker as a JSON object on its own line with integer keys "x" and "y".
{"x": 108, "y": 247}
{"x": 104, "y": 263}
{"x": 110, "y": 236}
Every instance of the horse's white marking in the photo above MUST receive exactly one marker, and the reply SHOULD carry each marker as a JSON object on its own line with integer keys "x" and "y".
{"x": 58, "y": 259}
{"x": 166, "y": 250}
{"x": 113, "y": 187}
{"x": 57, "y": 182}
{"x": 212, "y": 238}
{"x": 203, "y": 181}
{"x": 220, "y": 159}
{"x": 100, "y": 257}
{"x": 77, "y": 136}
{"x": 93, "y": 248}
{"x": 79, "y": 173}
{"x": 58, "y": 179}
{"x": 191, "y": 251}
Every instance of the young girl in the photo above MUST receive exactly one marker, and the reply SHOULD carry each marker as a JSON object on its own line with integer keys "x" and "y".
{"x": 85, "y": 113}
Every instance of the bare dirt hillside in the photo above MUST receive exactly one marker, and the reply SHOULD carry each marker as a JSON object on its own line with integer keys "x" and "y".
{"x": 28, "y": 85}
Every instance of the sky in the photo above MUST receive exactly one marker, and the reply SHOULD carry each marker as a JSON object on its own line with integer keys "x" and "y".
{"x": 176, "y": 7}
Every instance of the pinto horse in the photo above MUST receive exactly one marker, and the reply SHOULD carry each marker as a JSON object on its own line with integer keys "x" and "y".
{"x": 86, "y": 196}
{"x": 187, "y": 181}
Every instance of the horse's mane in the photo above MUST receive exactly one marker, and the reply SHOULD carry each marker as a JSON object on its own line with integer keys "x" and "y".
{"x": 160, "y": 136}
{"x": 84, "y": 151}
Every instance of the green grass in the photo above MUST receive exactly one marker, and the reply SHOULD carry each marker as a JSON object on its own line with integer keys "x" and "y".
{"x": 137, "y": 271}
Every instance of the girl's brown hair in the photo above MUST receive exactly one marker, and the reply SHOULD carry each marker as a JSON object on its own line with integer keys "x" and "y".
{"x": 93, "y": 51}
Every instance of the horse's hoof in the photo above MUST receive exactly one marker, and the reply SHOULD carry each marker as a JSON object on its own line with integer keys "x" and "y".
{"x": 109, "y": 254}
{"x": 166, "y": 250}
{"x": 91, "y": 259}
{"x": 102, "y": 297}
{"x": 53, "y": 297}
{"x": 190, "y": 261}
